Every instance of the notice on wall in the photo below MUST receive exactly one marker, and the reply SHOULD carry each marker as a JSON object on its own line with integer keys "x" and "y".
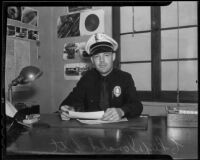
{"x": 10, "y": 62}
{"x": 17, "y": 57}
{"x": 22, "y": 54}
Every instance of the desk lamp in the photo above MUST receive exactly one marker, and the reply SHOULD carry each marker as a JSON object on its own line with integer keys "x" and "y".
{"x": 27, "y": 75}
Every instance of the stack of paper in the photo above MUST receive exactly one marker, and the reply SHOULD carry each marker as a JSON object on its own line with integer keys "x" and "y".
{"x": 97, "y": 121}
{"x": 89, "y": 117}
{"x": 86, "y": 115}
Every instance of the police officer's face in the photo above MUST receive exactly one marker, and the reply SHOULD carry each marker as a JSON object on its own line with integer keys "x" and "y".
{"x": 103, "y": 62}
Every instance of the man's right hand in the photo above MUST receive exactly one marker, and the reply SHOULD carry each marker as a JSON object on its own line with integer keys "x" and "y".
{"x": 64, "y": 112}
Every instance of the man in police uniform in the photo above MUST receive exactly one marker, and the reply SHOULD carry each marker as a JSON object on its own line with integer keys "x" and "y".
{"x": 104, "y": 87}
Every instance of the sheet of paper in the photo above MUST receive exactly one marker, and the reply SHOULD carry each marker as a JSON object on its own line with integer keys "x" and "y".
{"x": 86, "y": 115}
{"x": 100, "y": 121}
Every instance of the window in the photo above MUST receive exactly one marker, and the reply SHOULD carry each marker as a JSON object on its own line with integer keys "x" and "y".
{"x": 158, "y": 46}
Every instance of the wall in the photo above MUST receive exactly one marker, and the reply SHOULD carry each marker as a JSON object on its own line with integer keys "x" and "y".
{"x": 52, "y": 88}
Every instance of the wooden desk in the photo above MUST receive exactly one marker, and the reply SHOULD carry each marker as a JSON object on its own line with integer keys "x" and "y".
{"x": 179, "y": 143}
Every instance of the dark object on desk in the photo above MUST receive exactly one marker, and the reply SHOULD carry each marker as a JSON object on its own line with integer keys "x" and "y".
{"x": 54, "y": 120}
{"x": 182, "y": 117}
{"x": 26, "y": 110}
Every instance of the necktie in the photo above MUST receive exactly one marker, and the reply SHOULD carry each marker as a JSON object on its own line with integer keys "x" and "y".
{"x": 104, "y": 97}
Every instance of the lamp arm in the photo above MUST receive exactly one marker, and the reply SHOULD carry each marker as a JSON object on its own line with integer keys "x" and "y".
{"x": 16, "y": 81}
{"x": 10, "y": 92}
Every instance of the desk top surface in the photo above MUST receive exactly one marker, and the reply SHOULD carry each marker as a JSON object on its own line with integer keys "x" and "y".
{"x": 48, "y": 137}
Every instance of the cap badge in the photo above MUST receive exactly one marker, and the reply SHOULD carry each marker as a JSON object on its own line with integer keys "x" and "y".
{"x": 96, "y": 37}
{"x": 117, "y": 91}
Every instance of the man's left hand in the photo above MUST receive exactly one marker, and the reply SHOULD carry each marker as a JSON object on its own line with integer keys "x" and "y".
{"x": 113, "y": 114}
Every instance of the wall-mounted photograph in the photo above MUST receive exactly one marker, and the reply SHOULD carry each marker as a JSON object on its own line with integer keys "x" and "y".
{"x": 33, "y": 35}
{"x": 68, "y": 25}
{"x": 24, "y": 33}
{"x": 10, "y": 30}
{"x": 14, "y": 13}
{"x": 29, "y": 16}
{"x": 72, "y": 50}
{"x": 74, "y": 71}
{"x": 80, "y": 24}
{"x": 17, "y": 31}
{"x": 21, "y": 32}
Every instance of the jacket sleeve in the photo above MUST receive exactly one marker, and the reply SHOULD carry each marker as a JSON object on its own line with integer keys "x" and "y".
{"x": 76, "y": 96}
{"x": 132, "y": 106}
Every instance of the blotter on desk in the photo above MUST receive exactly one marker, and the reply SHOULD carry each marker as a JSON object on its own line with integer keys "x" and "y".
{"x": 54, "y": 120}
{"x": 98, "y": 121}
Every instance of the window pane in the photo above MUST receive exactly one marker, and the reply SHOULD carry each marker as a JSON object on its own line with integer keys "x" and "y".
{"x": 136, "y": 48}
{"x": 169, "y": 76}
{"x": 142, "y": 16}
{"x": 169, "y": 15}
{"x": 126, "y": 18}
{"x": 188, "y": 75}
{"x": 188, "y": 43}
{"x": 188, "y": 13}
{"x": 141, "y": 73}
{"x": 169, "y": 44}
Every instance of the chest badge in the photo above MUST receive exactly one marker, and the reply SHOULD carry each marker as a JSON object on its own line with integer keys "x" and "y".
{"x": 117, "y": 91}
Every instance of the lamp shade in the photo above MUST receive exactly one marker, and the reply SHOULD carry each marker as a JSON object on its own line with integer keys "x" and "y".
{"x": 27, "y": 74}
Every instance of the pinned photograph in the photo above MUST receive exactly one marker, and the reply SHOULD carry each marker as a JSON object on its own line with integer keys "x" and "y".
{"x": 80, "y": 49}
{"x": 68, "y": 25}
{"x": 80, "y": 24}
{"x": 24, "y": 33}
{"x": 14, "y": 13}
{"x": 72, "y": 50}
{"x": 17, "y": 31}
{"x": 92, "y": 22}
{"x": 21, "y": 32}
{"x": 29, "y": 16}
{"x": 69, "y": 51}
{"x": 10, "y": 31}
{"x": 74, "y": 71}
{"x": 33, "y": 35}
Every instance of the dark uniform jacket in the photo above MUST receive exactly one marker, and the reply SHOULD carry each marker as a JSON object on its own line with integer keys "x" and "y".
{"x": 122, "y": 93}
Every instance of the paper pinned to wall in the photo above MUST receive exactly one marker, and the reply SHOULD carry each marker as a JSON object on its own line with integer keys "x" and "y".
{"x": 10, "y": 62}
{"x": 22, "y": 54}
{"x": 92, "y": 22}
{"x": 17, "y": 57}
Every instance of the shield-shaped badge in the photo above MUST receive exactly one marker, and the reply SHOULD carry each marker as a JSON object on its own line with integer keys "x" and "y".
{"x": 117, "y": 91}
